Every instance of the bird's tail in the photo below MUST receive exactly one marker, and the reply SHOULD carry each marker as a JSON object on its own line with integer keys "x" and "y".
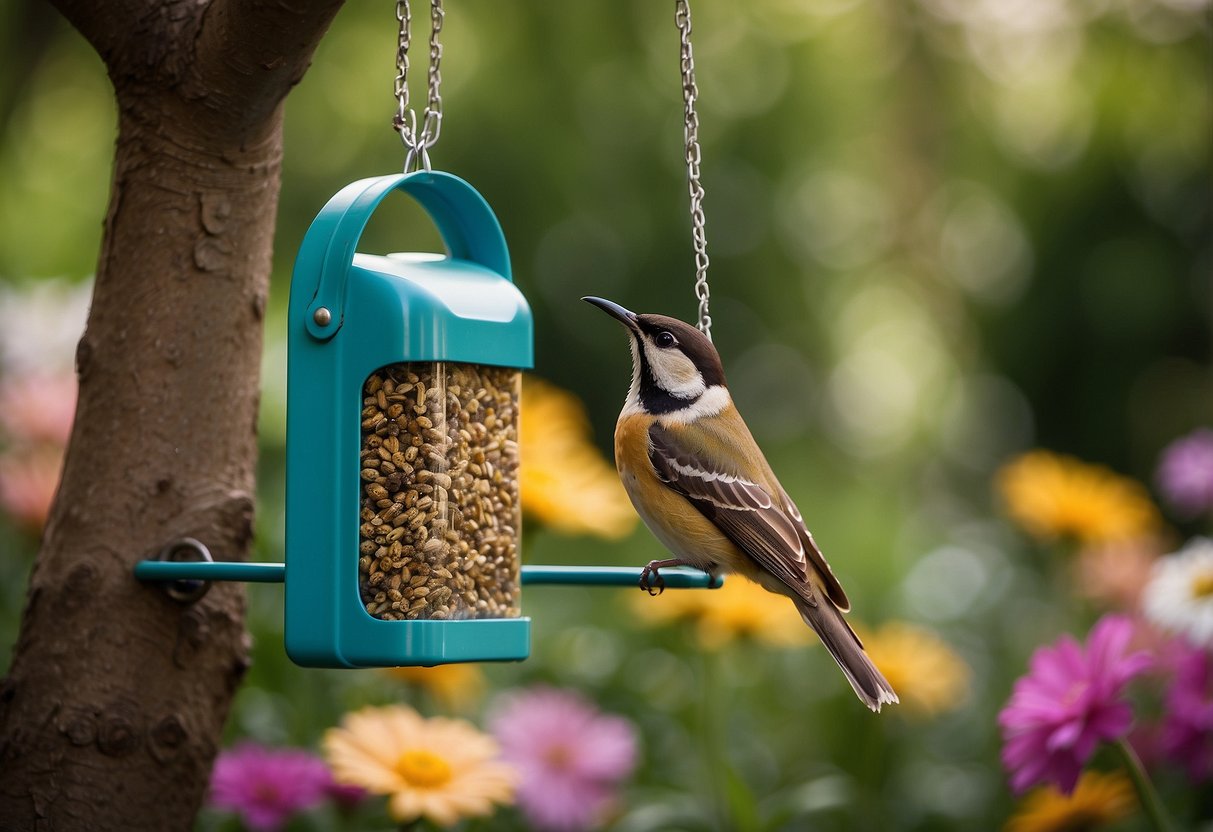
{"x": 826, "y": 620}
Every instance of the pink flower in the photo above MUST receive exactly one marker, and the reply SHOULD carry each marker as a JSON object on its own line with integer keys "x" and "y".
{"x": 1068, "y": 704}
{"x": 1185, "y": 473}
{"x": 35, "y": 419}
{"x": 266, "y": 786}
{"x": 28, "y": 481}
{"x": 570, "y": 755}
{"x": 38, "y": 408}
{"x": 1187, "y": 728}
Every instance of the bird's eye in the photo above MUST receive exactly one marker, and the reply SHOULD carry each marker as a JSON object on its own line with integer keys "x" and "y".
{"x": 665, "y": 339}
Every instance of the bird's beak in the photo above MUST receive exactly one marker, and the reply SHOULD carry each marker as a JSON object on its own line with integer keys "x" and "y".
{"x": 616, "y": 311}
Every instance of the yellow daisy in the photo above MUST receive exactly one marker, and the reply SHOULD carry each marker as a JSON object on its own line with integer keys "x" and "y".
{"x": 1097, "y": 801}
{"x": 1053, "y": 496}
{"x": 442, "y": 769}
{"x": 457, "y": 687}
{"x": 565, "y": 481}
{"x": 927, "y": 674}
{"x": 739, "y": 609}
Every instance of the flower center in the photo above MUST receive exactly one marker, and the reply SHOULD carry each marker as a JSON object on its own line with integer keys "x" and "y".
{"x": 423, "y": 769}
{"x": 1202, "y": 585}
{"x": 1072, "y": 695}
{"x": 558, "y": 756}
{"x": 265, "y": 792}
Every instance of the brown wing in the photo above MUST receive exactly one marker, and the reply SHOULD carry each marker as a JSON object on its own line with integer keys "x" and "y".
{"x": 833, "y": 587}
{"x": 743, "y": 510}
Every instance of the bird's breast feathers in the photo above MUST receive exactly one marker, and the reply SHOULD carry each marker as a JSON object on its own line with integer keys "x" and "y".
{"x": 673, "y": 520}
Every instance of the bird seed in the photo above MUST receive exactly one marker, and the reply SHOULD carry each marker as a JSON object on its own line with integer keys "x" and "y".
{"x": 440, "y": 516}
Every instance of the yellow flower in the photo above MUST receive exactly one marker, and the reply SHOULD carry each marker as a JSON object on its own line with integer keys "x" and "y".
{"x": 1052, "y": 496}
{"x": 926, "y": 673}
{"x": 738, "y": 609}
{"x": 457, "y": 687}
{"x": 565, "y": 481}
{"x": 1098, "y": 800}
{"x": 443, "y": 769}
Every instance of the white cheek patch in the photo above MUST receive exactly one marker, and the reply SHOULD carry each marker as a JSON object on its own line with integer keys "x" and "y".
{"x": 715, "y": 399}
{"x": 674, "y": 372}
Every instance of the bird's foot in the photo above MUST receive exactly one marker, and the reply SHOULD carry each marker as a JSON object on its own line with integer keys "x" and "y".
{"x": 651, "y": 580}
{"x": 650, "y": 576}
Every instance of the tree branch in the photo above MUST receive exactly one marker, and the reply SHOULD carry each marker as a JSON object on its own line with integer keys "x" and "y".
{"x": 249, "y": 53}
{"x": 119, "y": 29}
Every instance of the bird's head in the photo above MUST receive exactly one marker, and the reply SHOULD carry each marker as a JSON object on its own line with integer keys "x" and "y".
{"x": 675, "y": 368}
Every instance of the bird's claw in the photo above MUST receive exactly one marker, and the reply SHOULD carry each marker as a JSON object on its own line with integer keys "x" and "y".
{"x": 651, "y": 580}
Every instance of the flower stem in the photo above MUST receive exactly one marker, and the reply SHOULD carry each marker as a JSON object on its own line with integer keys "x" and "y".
{"x": 1146, "y": 792}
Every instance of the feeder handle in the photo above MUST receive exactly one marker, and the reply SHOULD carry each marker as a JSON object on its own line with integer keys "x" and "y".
{"x": 467, "y": 224}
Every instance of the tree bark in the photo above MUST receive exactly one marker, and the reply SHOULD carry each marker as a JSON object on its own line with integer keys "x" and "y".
{"x": 113, "y": 709}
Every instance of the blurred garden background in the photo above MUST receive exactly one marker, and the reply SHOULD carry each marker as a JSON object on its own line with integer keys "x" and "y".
{"x": 961, "y": 250}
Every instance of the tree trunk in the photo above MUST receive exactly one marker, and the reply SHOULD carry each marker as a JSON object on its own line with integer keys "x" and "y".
{"x": 113, "y": 709}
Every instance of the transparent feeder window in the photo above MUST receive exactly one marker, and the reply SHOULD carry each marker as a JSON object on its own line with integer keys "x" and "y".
{"x": 440, "y": 516}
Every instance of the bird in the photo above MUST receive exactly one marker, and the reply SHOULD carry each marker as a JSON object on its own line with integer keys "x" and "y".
{"x": 701, "y": 484}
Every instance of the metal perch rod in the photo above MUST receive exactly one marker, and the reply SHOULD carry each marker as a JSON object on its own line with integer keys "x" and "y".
{"x": 270, "y": 573}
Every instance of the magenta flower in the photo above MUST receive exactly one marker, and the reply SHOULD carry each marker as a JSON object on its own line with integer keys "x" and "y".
{"x": 1067, "y": 704}
{"x": 1185, "y": 473}
{"x": 1187, "y": 728}
{"x": 266, "y": 786}
{"x": 571, "y": 757}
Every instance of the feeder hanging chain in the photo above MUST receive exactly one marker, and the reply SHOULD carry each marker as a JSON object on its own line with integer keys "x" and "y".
{"x": 682, "y": 17}
{"x": 418, "y": 143}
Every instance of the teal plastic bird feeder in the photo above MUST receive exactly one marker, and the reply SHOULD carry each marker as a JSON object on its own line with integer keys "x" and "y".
{"x": 403, "y": 517}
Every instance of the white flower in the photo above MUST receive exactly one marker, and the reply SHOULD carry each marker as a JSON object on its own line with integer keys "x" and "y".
{"x": 1179, "y": 596}
{"x": 43, "y": 320}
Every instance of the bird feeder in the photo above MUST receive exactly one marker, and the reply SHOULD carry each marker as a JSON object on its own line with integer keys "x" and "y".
{"x": 404, "y": 373}
{"x": 403, "y": 515}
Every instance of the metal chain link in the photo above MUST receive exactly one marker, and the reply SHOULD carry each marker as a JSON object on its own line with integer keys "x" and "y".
{"x": 682, "y": 17}
{"x": 400, "y": 88}
{"x": 418, "y": 143}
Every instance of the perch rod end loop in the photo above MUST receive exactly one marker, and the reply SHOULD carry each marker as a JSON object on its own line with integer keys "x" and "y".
{"x": 185, "y": 590}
